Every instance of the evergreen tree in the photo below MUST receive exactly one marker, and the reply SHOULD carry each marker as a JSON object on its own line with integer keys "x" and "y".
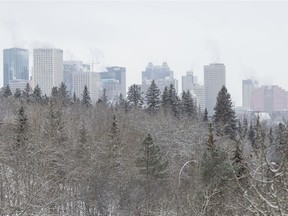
{"x": 7, "y": 91}
{"x": 153, "y": 98}
{"x": 75, "y": 98}
{"x": 225, "y": 117}
{"x": 174, "y": 101}
{"x": 239, "y": 161}
{"x": 27, "y": 92}
{"x": 135, "y": 96}
{"x": 123, "y": 103}
{"x": 205, "y": 116}
{"x": 54, "y": 92}
{"x": 63, "y": 94}
{"x": 252, "y": 135}
{"x": 17, "y": 93}
{"x": 189, "y": 108}
{"x": 150, "y": 160}
{"x": 114, "y": 129}
{"x": 21, "y": 128}
{"x": 86, "y": 100}
{"x": 37, "y": 94}
{"x": 165, "y": 102}
{"x": 104, "y": 99}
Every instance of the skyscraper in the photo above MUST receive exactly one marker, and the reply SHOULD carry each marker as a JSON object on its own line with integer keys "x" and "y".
{"x": 248, "y": 87}
{"x": 114, "y": 81}
{"x": 214, "y": 79}
{"x": 71, "y": 67}
{"x": 15, "y": 65}
{"x": 188, "y": 81}
{"x": 161, "y": 74}
{"x": 91, "y": 80}
{"x": 47, "y": 68}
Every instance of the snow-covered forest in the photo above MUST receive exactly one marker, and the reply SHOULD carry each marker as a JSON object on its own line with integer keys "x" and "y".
{"x": 151, "y": 154}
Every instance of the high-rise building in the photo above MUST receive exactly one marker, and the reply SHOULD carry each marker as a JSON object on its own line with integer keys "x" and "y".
{"x": 47, "y": 69}
{"x": 114, "y": 81}
{"x": 71, "y": 67}
{"x": 248, "y": 87}
{"x": 269, "y": 99}
{"x": 199, "y": 92}
{"x": 91, "y": 80}
{"x": 161, "y": 74}
{"x": 188, "y": 81}
{"x": 214, "y": 79}
{"x": 15, "y": 65}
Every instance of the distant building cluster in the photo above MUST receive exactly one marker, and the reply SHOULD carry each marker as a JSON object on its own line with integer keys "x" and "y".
{"x": 49, "y": 70}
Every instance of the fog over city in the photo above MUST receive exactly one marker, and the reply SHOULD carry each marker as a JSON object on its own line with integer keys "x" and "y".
{"x": 250, "y": 38}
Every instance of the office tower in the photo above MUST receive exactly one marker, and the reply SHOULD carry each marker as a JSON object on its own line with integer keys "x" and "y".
{"x": 91, "y": 80}
{"x": 214, "y": 79}
{"x": 269, "y": 99}
{"x": 248, "y": 86}
{"x": 69, "y": 68}
{"x": 199, "y": 92}
{"x": 48, "y": 69}
{"x": 114, "y": 81}
{"x": 15, "y": 65}
{"x": 188, "y": 81}
{"x": 161, "y": 74}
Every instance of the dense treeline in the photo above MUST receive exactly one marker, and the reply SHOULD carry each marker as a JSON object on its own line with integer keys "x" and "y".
{"x": 152, "y": 154}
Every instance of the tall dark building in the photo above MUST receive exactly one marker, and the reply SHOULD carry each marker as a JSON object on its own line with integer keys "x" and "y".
{"x": 161, "y": 74}
{"x": 15, "y": 65}
{"x": 116, "y": 75}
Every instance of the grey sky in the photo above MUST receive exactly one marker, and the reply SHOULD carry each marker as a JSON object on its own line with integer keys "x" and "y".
{"x": 250, "y": 38}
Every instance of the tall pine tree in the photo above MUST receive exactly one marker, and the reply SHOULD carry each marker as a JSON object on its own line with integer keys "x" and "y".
{"x": 153, "y": 98}
{"x": 86, "y": 100}
{"x": 225, "y": 118}
{"x": 135, "y": 96}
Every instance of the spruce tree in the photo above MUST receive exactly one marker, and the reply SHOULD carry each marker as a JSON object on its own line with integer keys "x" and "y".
{"x": 205, "y": 116}
{"x": 135, "y": 96}
{"x": 54, "y": 92}
{"x": 7, "y": 91}
{"x": 123, "y": 104}
{"x": 165, "y": 102}
{"x": 63, "y": 94}
{"x": 150, "y": 160}
{"x": 225, "y": 118}
{"x": 86, "y": 100}
{"x": 174, "y": 101}
{"x": 104, "y": 99}
{"x": 153, "y": 98}
{"x": 21, "y": 129}
{"x": 27, "y": 92}
{"x": 18, "y": 93}
{"x": 189, "y": 107}
{"x": 37, "y": 94}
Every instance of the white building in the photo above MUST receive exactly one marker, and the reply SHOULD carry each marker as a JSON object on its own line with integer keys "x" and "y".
{"x": 248, "y": 87}
{"x": 18, "y": 83}
{"x": 214, "y": 79}
{"x": 47, "y": 69}
{"x": 188, "y": 81}
{"x": 91, "y": 80}
{"x": 199, "y": 92}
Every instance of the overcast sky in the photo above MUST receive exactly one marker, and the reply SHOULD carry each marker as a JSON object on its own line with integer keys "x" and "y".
{"x": 250, "y": 38}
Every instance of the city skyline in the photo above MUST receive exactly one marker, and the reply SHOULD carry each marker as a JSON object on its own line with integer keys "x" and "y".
{"x": 187, "y": 35}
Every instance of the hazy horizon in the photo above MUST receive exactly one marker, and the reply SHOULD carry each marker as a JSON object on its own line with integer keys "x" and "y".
{"x": 250, "y": 38}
